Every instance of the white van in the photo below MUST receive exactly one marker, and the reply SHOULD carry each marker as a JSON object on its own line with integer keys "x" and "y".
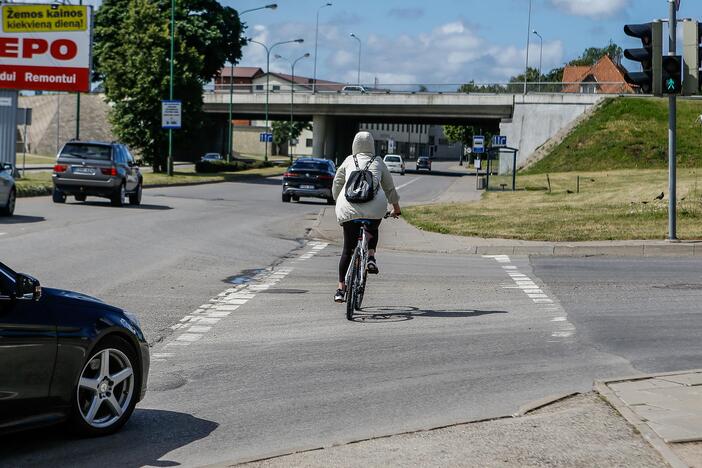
{"x": 395, "y": 163}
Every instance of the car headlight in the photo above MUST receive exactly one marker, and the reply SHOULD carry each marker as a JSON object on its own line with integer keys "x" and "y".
{"x": 133, "y": 318}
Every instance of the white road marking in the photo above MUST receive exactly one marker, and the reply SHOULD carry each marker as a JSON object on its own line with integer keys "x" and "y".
{"x": 406, "y": 184}
{"x": 196, "y": 324}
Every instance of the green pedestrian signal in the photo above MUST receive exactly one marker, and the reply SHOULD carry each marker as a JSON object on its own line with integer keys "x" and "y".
{"x": 672, "y": 74}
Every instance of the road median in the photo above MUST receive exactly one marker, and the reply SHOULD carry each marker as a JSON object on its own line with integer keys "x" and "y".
{"x": 40, "y": 184}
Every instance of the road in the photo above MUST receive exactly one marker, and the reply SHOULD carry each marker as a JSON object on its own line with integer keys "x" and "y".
{"x": 253, "y": 358}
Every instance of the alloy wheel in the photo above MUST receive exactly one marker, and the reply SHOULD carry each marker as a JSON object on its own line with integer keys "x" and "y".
{"x": 106, "y": 388}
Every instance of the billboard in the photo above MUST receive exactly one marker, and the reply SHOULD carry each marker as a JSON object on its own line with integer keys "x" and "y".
{"x": 45, "y": 47}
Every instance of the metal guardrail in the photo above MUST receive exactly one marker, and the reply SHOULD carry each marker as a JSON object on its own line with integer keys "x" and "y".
{"x": 452, "y": 88}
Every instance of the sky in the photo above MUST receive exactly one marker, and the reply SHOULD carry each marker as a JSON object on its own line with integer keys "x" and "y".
{"x": 441, "y": 41}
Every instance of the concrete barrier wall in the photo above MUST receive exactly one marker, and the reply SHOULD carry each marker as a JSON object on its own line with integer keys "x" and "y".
{"x": 537, "y": 118}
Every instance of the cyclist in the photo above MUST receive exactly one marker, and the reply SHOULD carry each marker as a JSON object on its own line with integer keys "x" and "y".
{"x": 347, "y": 213}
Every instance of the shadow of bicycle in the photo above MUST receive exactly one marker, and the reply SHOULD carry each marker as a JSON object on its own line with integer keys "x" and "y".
{"x": 385, "y": 314}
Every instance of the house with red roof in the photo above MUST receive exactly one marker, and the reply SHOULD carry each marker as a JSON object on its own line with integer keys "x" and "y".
{"x": 604, "y": 77}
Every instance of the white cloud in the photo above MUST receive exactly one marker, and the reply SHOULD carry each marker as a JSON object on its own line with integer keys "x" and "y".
{"x": 591, "y": 8}
{"x": 452, "y": 53}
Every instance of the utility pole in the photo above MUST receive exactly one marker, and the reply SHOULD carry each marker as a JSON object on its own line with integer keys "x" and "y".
{"x": 80, "y": 2}
{"x": 169, "y": 169}
{"x": 672, "y": 131}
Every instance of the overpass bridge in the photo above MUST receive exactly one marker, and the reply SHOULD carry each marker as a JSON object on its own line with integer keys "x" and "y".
{"x": 528, "y": 121}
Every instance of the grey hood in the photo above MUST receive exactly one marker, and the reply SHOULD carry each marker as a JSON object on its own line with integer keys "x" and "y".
{"x": 364, "y": 143}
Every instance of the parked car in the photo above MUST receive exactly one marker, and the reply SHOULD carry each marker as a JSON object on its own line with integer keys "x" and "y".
{"x": 98, "y": 169}
{"x": 309, "y": 177}
{"x": 211, "y": 157}
{"x": 395, "y": 163}
{"x": 66, "y": 356}
{"x": 8, "y": 191}
{"x": 423, "y": 163}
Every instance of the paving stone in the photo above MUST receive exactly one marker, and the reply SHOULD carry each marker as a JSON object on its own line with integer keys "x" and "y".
{"x": 685, "y": 379}
{"x": 678, "y": 429}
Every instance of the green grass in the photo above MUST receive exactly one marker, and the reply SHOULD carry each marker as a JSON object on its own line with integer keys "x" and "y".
{"x": 35, "y": 159}
{"x": 39, "y": 183}
{"x": 627, "y": 133}
{"x": 616, "y": 205}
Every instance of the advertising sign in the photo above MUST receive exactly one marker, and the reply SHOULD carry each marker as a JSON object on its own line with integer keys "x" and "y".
{"x": 171, "y": 112}
{"x": 45, "y": 47}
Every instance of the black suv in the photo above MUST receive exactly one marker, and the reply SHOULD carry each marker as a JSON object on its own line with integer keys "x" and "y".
{"x": 309, "y": 177}
{"x": 98, "y": 169}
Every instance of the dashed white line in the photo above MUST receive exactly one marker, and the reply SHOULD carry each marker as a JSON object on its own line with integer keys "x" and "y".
{"x": 406, "y": 184}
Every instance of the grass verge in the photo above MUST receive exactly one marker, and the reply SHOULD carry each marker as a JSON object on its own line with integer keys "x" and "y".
{"x": 38, "y": 184}
{"x": 616, "y": 205}
{"x": 627, "y": 133}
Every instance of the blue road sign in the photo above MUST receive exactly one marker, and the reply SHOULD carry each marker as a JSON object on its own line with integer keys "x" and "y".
{"x": 478, "y": 144}
{"x": 263, "y": 137}
{"x": 499, "y": 141}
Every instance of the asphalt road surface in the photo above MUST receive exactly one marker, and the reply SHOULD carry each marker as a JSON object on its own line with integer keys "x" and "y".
{"x": 252, "y": 357}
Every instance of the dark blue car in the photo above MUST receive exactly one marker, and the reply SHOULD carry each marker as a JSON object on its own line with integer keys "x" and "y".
{"x": 65, "y": 356}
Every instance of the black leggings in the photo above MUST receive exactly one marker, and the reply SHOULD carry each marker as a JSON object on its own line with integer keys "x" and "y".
{"x": 352, "y": 231}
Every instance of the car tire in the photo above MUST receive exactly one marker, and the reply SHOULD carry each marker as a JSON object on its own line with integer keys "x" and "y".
{"x": 331, "y": 201}
{"x": 402, "y": 173}
{"x": 9, "y": 208}
{"x": 135, "y": 198}
{"x": 117, "y": 198}
{"x": 81, "y": 197}
{"x": 295, "y": 199}
{"x": 104, "y": 408}
{"x": 58, "y": 196}
{"x": 286, "y": 198}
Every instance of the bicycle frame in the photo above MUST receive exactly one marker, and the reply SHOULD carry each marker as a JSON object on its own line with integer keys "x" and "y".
{"x": 358, "y": 266}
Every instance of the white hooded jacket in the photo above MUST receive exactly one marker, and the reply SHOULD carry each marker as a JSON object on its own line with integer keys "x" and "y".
{"x": 364, "y": 149}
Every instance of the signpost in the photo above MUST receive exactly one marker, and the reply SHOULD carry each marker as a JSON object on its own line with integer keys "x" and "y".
{"x": 478, "y": 144}
{"x": 171, "y": 114}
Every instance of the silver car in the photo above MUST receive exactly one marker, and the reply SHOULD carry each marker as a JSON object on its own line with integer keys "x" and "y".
{"x": 8, "y": 191}
{"x": 97, "y": 169}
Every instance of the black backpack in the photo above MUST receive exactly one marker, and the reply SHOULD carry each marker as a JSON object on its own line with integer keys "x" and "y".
{"x": 361, "y": 186}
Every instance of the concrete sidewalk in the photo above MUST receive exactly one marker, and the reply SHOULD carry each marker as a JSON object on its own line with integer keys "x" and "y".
{"x": 646, "y": 421}
{"x": 400, "y": 235}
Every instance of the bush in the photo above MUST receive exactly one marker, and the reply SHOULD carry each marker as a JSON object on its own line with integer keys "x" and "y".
{"x": 211, "y": 167}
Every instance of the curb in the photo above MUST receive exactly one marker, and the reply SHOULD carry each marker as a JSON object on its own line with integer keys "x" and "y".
{"x": 153, "y": 186}
{"x": 602, "y": 388}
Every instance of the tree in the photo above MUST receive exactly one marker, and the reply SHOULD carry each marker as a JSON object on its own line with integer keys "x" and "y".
{"x": 283, "y": 132}
{"x": 132, "y": 50}
{"x": 592, "y": 55}
{"x": 459, "y": 134}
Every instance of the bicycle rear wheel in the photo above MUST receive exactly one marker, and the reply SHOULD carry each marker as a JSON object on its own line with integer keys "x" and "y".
{"x": 351, "y": 288}
{"x": 360, "y": 289}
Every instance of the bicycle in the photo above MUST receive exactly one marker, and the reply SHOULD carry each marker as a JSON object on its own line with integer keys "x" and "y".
{"x": 357, "y": 274}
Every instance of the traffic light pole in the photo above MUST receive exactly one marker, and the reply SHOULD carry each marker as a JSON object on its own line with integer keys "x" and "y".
{"x": 672, "y": 134}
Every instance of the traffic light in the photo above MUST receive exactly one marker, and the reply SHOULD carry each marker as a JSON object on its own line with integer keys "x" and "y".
{"x": 672, "y": 74}
{"x": 650, "y": 56}
{"x": 692, "y": 37}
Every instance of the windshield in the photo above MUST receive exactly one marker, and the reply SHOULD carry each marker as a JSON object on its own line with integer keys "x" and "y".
{"x": 309, "y": 166}
{"x": 86, "y": 151}
{"x": 392, "y": 159}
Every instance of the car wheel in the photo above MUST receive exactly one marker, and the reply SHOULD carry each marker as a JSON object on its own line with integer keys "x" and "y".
{"x": 9, "y": 208}
{"x": 331, "y": 201}
{"x": 286, "y": 198}
{"x": 58, "y": 196}
{"x": 296, "y": 199}
{"x": 135, "y": 198}
{"x": 107, "y": 389}
{"x": 117, "y": 198}
{"x": 402, "y": 173}
{"x": 80, "y": 197}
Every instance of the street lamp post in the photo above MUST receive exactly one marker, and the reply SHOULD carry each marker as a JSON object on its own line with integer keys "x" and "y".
{"x": 292, "y": 98}
{"x": 272, "y": 6}
{"x": 526, "y": 68}
{"x": 541, "y": 54}
{"x": 316, "y": 40}
{"x": 268, "y": 75}
{"x": 169, "y": 169}
{"x": 359, "y": 58}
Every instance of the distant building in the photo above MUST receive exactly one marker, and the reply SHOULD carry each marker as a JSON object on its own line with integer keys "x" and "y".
{"x": 413, "y": 140}
{"x": 604, "y": 77}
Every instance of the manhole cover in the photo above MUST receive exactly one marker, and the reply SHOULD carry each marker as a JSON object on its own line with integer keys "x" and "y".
{"x": 284, "y": 291}
{"x": 682, "y": 286}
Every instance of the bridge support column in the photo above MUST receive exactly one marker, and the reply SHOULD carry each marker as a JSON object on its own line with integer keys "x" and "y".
{"x": 320, "y": 127}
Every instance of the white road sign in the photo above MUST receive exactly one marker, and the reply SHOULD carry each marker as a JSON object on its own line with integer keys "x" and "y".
{"x": 171, "y": 114}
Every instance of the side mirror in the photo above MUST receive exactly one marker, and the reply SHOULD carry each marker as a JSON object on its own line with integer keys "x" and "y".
{"x": 28, "y": 288}
{"x": 7, "y": 167}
